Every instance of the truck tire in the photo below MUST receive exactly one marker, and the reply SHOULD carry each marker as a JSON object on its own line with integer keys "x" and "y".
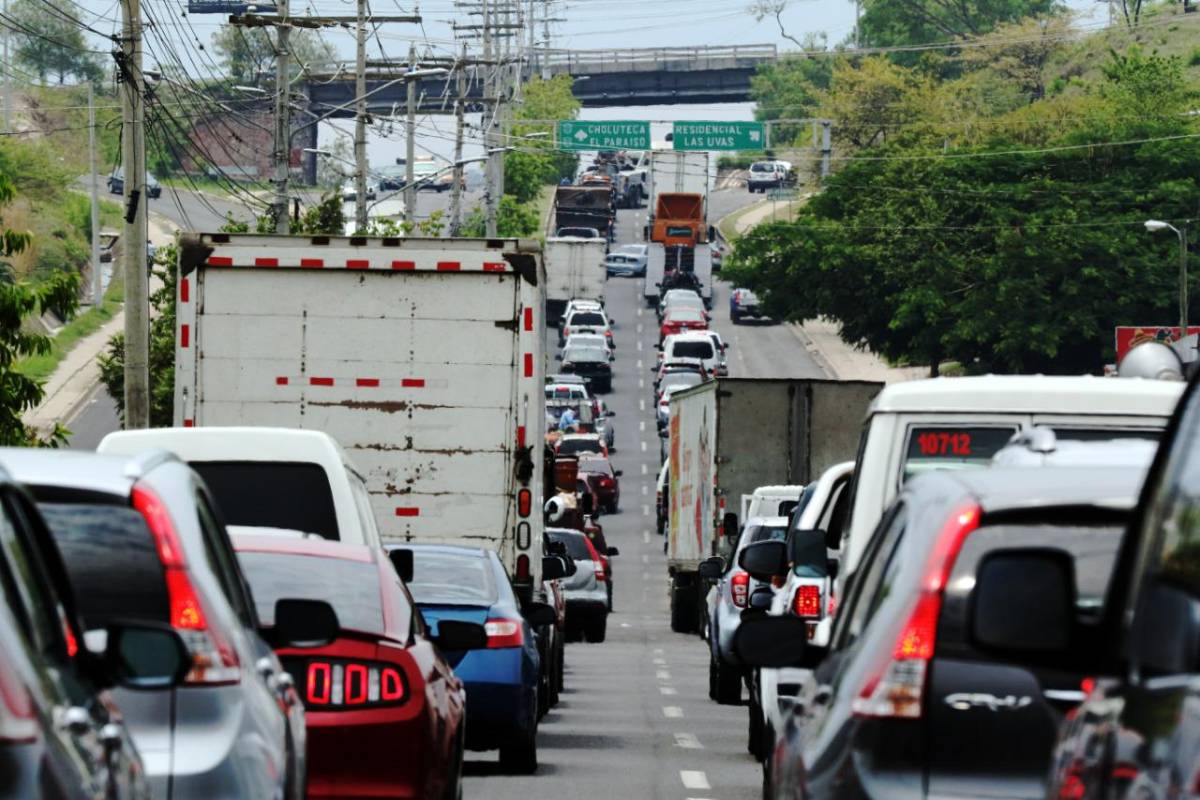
{"x": 596, "y": 628}
{"x": 725, "y": 682}
{"x": 683, "y": 608}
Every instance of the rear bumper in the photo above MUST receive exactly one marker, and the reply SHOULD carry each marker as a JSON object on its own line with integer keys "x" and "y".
{"x": 360, "y": 760}
{"x": 501, "y": 687}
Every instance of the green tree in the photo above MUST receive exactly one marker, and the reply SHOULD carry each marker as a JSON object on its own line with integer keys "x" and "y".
{"x": 535, "y": 163}
{"x": 20, "y": 301}
{"x": 249, "y": 54}
{"x": 513, "y": 219}
{"x": 888, "y": 23}
{"x": 789, "y": 89}
{"x": 51, "y": 44}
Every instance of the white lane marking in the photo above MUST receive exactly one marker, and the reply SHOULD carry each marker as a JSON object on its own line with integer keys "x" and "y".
{"x": 639, "y": 311}
{"x": 658, "y": 651}
{"x": 694, "y": 779}
{"x": 639, "y": 345}
{"x": 626, "y": 625}
{"x": 659, "y": 661}
{"x": 640, "y": 365}
{"x": 645, "y": 558}
{"x": 672, "y": 712}
{"x": 642, "y": 404}
{"x": 645, "y": 469}
{"x": 643, "y": 449}
{"x": 688, "y": 741}
{"x": 642, "y": 425}
{"x": 663, "y": 675}
{"x": 645, "y": 511}
{"x": 667, "y": 691}
{"x": 645, "y": 489}
{"x": 646, "y": 537}
{"x": 640, "y": 328}
{"x": 642, "y": 384}
{"x": 645, "y": 576}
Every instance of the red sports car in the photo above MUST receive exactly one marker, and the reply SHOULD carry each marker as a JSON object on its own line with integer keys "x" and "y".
{"x": 384, "y": 710}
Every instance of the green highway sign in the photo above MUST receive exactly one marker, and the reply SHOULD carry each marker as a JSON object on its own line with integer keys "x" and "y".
{"x": 580, "y": 135}
{"x": 719, "y": 136}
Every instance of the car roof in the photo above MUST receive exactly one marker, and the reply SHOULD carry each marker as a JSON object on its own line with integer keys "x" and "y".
{"x": 1031, "y": 394}
{"x": 231, "y": 443}
{"x": 781, "y": 490}
{"x": 569, "y": 436}
{"x": 76, "y": 469}
{"x": 767, "y": 522}
{"x": 999, "y": 489}
{"x": 301, "y": 546}
{"x": 570, "y": 531}
{"x": 445, "y": 549}
{"x": 694, "y": 336}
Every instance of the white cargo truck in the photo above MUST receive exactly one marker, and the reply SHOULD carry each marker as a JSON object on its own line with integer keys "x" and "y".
{"x": 733, "y": 435}
{"x": 574, "y": 270}
{"x": 692, "y": 172}
{"x": 422, "y": 357}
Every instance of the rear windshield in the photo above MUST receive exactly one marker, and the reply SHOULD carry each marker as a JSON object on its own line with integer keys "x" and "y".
{"x": 1106, "y": 434}
{"x": 270, "y": 494}
{"x": 452, "y": 579}
{"x": 692, "y": 349}
{"x": 570, "y": 447}
{"x": 761, "y": 167}
{"x": 685, "y": 315}
{"x": 351, "y": 587}
{"x": 597, "y": 465}
{"x": 585, "y": 354}
{"x": 111, "y": 561}
{"x": 766, "y": 533}
{"x": 938, "y": 447}
{"x": 576, "y": 545}
{"x": 587, "y": 318}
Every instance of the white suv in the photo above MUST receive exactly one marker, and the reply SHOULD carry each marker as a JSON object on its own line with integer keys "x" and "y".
{"x": 766, "y": 175}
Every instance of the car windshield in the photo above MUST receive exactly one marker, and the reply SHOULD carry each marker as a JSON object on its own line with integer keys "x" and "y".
{"x": 569, "y": 447}
{"x": 444, "y": 578}
{"x": 586, "y": 318}
{"x": 692, "y": 349}
{"x": 936, "y": 447}
{"x": 577, "y": 354}
{"x": 576, "y": 544}
{"x": 351, "y": 587}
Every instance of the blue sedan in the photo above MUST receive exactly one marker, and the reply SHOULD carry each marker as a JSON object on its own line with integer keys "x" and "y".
{"x": 470, "y": 584}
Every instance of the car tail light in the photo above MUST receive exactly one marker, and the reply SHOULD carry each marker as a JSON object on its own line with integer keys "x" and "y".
{"x": 739, "y": 586}
{"x": 18, "y": 720}
{"x": 214, "y": 661}
{"x": 352, "y": 685}
{"x": 503, "y": 632}
{"x": 606, "y": 482}
{"x": 807, "y": 602}
{"x": 898, "y": 689}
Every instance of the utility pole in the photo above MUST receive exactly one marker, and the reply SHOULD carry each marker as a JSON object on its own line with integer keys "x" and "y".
{"x": 7, "y": 77}
{"x": 360, "y": 122}
{"x": 283, "y": 122}
{"x": 133, "y": 158}
{"x": 410, "y": 129}
{"x": 97, "y": 270}
{"x": 457, "y": 175}
{"x": 546, "y": 40}
{"x": 494, "y": 184}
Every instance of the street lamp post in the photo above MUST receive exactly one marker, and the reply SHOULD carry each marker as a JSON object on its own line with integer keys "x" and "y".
{"x": 1155, "y": 225}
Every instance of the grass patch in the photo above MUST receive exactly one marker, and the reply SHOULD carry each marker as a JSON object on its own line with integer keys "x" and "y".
{"x": 542, "y": 204}
{"x": 728, "y": 224}
{"x": 40, "y": 368}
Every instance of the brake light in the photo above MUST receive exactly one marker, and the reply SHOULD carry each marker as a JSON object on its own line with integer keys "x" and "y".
{"x": 807, "y": 602}
{"x": 739, "y": 586}
{"x": 214, "y": 661}
{"x": 524, "y": 502}
{"x": 522, "y": 567}
{"x": 898, "y": 689}
{"x": 18, "y": 721}
{"x": 606, "y": 482}
{"x": 504, "y": 633}
{"x": 336, "y": 685}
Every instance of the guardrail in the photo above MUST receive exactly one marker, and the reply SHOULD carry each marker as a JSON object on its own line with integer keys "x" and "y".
{"x": 647, "y": 59}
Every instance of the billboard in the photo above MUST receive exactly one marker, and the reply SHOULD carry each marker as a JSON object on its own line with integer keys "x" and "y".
{"x": 1129, "y": 336}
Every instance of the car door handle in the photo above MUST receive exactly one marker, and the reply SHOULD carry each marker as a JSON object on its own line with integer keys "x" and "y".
{"x": 265, "y": 667}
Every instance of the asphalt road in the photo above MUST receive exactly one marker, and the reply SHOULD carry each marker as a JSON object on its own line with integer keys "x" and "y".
{"x": 635, "y": 721}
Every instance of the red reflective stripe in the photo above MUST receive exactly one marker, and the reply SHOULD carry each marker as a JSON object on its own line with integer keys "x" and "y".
{"x": 184, "y": 289}
{"x": 367, "y": 382}
{"x": 358, "y": 263}
{"x": 492, "y": 266}
{"x": 449, "y": 266}
{"x": 404, "y": 265}
{"x": 407, "y": 511}
{"x": 281, "y": 381}
{"x": 520, "y": 436}
{"x": 412, "y": 383}
{"x": 266, "y": 262}
{"x": 220, "y": 261}
{"x": 184, "y": 335}
{"x": 312, "y": 262}
{"x": 529, "y": 319}
{"x": 320, "y": 381}
{"x": 529, "y": 365}
{"x": 187, "y": 423}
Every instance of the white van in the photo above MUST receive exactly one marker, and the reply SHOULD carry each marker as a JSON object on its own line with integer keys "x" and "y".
{"x": 269, "y": 477}
{"x": 679, "y": 346}
{"x": 960, "y": 423}
{"x": 771, "y": 501}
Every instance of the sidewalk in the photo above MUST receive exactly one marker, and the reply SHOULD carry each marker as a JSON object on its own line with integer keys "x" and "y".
{"x": 77, "y": 375}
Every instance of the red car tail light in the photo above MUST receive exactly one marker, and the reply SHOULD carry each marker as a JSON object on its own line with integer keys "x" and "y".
{"x": 344, "y": 685}
{"x": 18, "y": 720}
{"x": 214, "y": 661}
{"x": 807, "y": 602}
{"x": 739, "y": 586}
{"x": 898, "y": 689}
{"x": 503, "y": 632}
{"x": 606, "y": 482}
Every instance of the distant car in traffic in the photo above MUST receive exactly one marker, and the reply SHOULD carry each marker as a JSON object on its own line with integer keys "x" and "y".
{"x": 350, "y": 191}
{"x": 574, "y": 444}
{"x": 764, "y": 175}
{"x": 607, "y": 486}
{"x": 592, "y": 363}
{"x": 586, "y": 591}
{"x": 682, "y": 320}
{"x": 744, "y": 304}
{"x": 116, "y": 183}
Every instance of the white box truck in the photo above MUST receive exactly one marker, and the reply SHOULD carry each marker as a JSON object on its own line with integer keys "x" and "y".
{"x": 732, "y": 435}
{"x": 574, "y": 270}
{"x": 422, "y": 357}
{"x": 680, "y": 171}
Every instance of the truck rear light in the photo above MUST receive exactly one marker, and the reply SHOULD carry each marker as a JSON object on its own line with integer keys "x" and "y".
{"x": 214, "y": 661}
{"x": 504, "y": 632}
{"x": 897, "y": 690}
{"x": 739, "y": 587}
{"x": 523, "y": 567}
{"x": 337, "y": 685}
{"x": 807, "y": 602}
{"x": 524, "y": 502}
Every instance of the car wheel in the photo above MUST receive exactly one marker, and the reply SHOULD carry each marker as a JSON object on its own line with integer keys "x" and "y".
{"x": 561, "y": 678}
{"x": 596, "y": 629}
{"x": 662, "y": 526}
{"x": 735, "y": 318}
{"x": 768, "y": 761}
{"x": 726, "y": 682}
{"x": 683, "y": 614}
{"x": 611, "y": 508}
{"x": 520, "y": 756}
{"x": 754, "y": 737}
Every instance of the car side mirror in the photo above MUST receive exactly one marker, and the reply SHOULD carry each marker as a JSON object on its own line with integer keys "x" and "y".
{"x": 456, "y": 635}
{"x": 612, "y": 551}
{"x": 807, "y": 552}
{"x": 1036, "y": 619}
{"x": 772, "y": 642}
{"x": 619, "y": 472}
{"x": 761, "y": 599}
{"x": 539, "y": 615}
{"x": 558, "y": 357}
{"x": 143, "y": 656}
{"x": 303, "y": 624}
{"x": 712, "y": 568}
{"x": 402, "y": 560}
{"x": 729, "y": 525}
{"x": 553, "y": 568}
{"x": 764, "y": 560}
{"x": 1167, "y": 631}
